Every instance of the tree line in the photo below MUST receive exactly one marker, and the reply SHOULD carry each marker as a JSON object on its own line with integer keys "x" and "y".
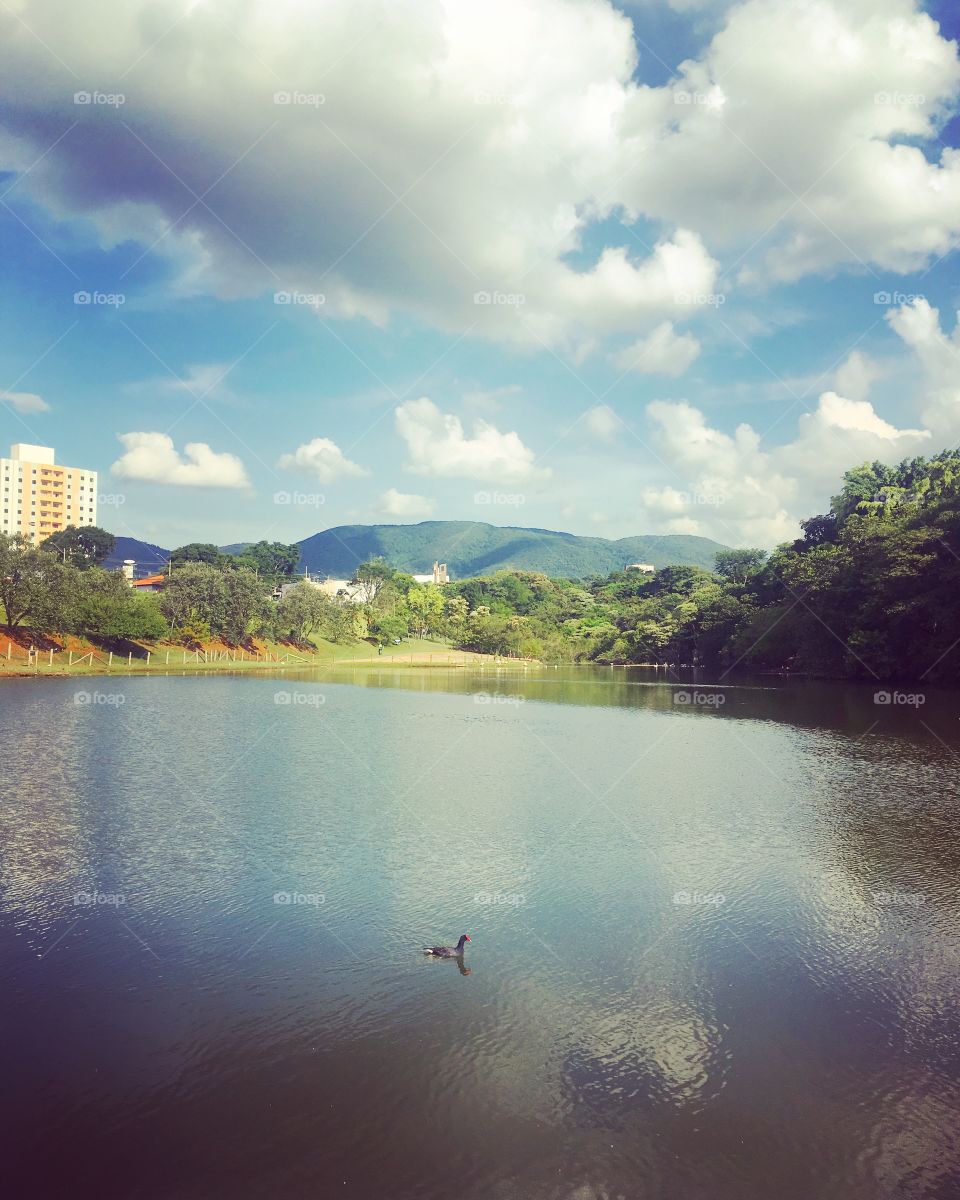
{"x": 870, "y": 590}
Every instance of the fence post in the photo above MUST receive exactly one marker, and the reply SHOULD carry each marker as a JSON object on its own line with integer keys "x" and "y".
{"x": 71, "y": 659}
{"x": 148, "y": 658}
{"x": 129, "y": 658}
{"x": 51, "y": 656}
{"x": 9, "y": 648}
{"x": 110, "y": 661}
{"x": 167, "y": 660}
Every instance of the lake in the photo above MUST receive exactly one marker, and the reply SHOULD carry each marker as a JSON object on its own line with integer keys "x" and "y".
{"x": 714, "y": 937}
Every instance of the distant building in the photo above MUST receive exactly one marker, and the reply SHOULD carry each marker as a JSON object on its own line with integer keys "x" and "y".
{"x": 643, "y": 568}
{"x": 38, "y": 498}
{"x": 344, "y": 588}
{"x": 149, "y": 583}
{"x": 439, "y": 576}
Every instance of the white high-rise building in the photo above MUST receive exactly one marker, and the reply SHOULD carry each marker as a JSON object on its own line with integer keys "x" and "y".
{"x": 38, "y": 498}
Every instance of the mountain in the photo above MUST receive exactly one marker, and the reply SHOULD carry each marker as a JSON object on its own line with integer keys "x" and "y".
{"x": 149, "y": 558}
{"x": 474, "y": 548}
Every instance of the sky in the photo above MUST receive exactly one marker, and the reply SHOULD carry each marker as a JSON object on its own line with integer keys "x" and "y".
{"x": 273, "y": 266}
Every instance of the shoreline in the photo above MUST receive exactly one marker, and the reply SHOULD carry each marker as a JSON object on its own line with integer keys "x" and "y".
{"x": 86, "y": 662}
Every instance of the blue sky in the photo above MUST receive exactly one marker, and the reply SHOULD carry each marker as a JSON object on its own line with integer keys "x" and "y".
{"x": 718, "y": 243}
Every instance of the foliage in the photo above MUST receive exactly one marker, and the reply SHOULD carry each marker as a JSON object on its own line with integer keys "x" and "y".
{"x": 198, "y": 552}
{"x": 86, "y": 546}
{"x": 870, "y": 590}
{"x": 272, "y": 561}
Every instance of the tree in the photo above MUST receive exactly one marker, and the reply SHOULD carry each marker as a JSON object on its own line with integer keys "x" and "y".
{"x": 738, "y": 565}
{"x": 23, "y": 568}
{"x": 425, "y": 604}
{"x": 272, "y": 561}
{"x": 195, "y": 595}
{"x": 371, "y": 577}
{"x": 303, "y": 611}
{"x": 198, "y": 552}
{"x": 107, "y": 607}
{"x": 245, "y": 597}
{"x": 82, "y": 547}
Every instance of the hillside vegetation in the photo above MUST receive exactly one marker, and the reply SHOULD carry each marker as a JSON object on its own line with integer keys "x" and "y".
{"x": 472, "y": 548}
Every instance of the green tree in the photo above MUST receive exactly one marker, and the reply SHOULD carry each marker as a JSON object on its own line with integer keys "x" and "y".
{"x": 194, "y": 596}
{"x": 198, "y": 552}
{"x": 304, "y": 611}
{"x": 82, "y": 547}
{"x": 272, "y": 561}
{"x": 245, "y": 599}
{"x": 24, "y": 572}
{"x": 425, "y": 604}
{"x": 738, "y": 565}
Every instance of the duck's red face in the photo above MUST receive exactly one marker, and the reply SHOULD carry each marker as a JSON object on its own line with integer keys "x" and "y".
{"x": 467, "y": 936}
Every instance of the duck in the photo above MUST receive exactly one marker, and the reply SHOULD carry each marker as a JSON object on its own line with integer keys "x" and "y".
{"x": 448, "y": 951}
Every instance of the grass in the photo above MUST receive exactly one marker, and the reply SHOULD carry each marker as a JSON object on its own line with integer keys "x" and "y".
{"x": 135, "y": 658}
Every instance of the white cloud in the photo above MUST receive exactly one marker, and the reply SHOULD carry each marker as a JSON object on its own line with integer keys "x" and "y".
{"x": 663, "y": 352}
{"x": 741, "y": 493}
{"x": 152, "y": 458}
{"x": 323, "y": 459}
{"x": 834, "y": 180}
{"x": 24, "y": 402}
{"x": 603, "y": 422}
{"x": 437, "y": 445}
{"x": 856, "y": 375}
{"x": 918, "y": 324}
{"x": 405, "y": 504}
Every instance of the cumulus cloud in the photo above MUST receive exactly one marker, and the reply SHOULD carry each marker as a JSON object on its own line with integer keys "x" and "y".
{"x": 663, "y": 352}
{"x": 438, "y": 445}
{"x": 152, "y": 458}
{"x": 834, "y": 179}
{"x": 508, "y": 162}
{"x": 855, "y": 376}
{"x": 602, "y": 422}
{"x": 323, "y": 459}
{"x": 938, "y": 353}
{"x": 24, "y": 402}
{"x": 405, "y": 504}
{"x": 742, "y": 493}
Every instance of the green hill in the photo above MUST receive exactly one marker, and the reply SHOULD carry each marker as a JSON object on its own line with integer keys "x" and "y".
{"x": 475, "y": 548}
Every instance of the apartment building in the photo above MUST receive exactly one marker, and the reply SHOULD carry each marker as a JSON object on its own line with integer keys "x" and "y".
{"x": 38, "y": 498}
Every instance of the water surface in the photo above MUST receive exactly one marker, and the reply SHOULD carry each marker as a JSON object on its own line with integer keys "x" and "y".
{"x": 715, "y": 947}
